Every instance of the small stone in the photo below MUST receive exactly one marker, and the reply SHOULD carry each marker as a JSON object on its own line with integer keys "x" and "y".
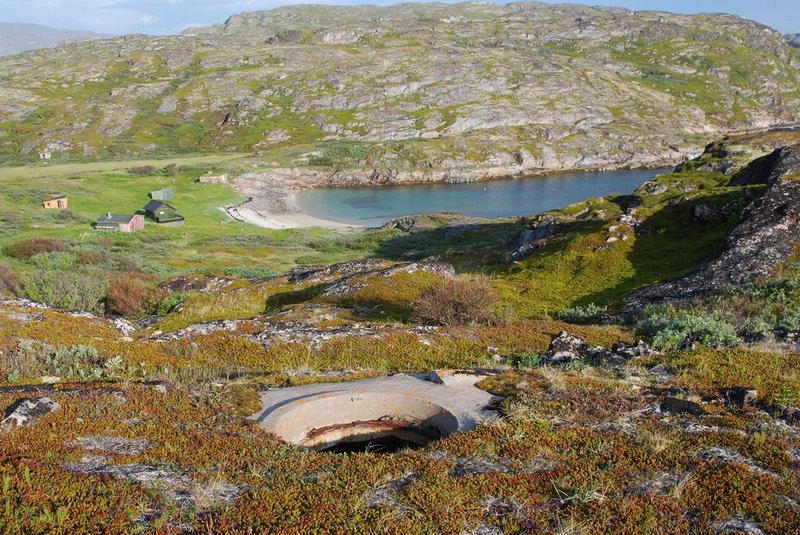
{"x": 639, "y": 349}
{"x": 682, "y": 406}
{"x": 50, "y": 380}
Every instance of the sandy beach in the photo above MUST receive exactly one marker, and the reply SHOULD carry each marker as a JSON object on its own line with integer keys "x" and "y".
{"x": 277, "y": 209}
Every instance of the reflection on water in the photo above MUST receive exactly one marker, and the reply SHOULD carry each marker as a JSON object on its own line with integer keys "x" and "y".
{"x": 501, "y": 198}
{"x": 367, "y": 202}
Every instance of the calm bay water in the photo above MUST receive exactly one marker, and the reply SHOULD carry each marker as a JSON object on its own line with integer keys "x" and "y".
{"x": 501, "y": 198}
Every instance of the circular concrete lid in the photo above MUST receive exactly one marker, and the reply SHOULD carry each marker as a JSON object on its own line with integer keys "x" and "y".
{"x": 416, "y": 409}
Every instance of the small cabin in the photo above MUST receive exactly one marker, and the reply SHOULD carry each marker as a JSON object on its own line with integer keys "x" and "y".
{"x": 163, "y": 214}
{"x": 56, "y": 203}
{"x": 120, "y": 223}
{"x": 162, "y": 194}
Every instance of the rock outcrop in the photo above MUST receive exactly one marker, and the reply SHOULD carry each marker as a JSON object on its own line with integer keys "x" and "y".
{"x": 567, "y": 347}
{"x": 532, "y": 239}
{"x": 27, "y": 412}
{"x": 767, "y": 236}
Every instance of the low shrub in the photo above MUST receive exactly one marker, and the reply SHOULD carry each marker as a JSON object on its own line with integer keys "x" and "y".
{"x": 172, "y": 301}
{"x": 24, "y": 361}
{"x": 127, "y": 295}
{"x": 582, "y": 315}
{"x": 69, "y": 290}
{"x": 675, "y": 329}
{"x": 143, "y": 170}
{"x": 459, "y": 301}
{"x": 54, "y": 261}
{"x": 26, "y": 249}
{"x": 9, "y": 282}
{"x": 753, "y": 313}
{"x": 527, "y": 360}
{"x": 10, "y": 223}
{"x": 30, "y": 359}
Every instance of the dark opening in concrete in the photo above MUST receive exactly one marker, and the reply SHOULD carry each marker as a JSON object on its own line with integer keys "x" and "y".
{"x": 388, "y": 444}
{"x": 385, "y": 435}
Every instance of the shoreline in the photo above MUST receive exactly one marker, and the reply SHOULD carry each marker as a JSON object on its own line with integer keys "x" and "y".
{"x": 272, "y": 204}
{"x": 278, "y": 210}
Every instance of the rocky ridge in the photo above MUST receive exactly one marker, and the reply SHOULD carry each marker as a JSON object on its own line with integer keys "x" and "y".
{"x": 435, "y": 92}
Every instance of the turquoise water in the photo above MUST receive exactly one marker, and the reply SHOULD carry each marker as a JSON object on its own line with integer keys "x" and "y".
{"x": 500, "y": 198}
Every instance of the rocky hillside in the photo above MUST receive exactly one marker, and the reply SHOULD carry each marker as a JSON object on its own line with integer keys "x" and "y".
{"x": 423, "y": 86}
{"x": 794, "y": 39}
{"x": 767, "y": 236}
{"x": 16, "y": 38}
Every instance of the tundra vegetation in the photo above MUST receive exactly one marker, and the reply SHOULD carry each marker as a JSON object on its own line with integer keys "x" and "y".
{"x": 130, "y": 364}
{"x": 151, "y": 432}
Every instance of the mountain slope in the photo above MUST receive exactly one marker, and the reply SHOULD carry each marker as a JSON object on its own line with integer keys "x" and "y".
{"x": 794, "y": 39}
{"x": 16, "y": 38}
{"x": 524, "y": 86}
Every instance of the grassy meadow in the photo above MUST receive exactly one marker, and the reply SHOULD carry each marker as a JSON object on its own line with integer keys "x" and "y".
{"x": 209, "y": 241}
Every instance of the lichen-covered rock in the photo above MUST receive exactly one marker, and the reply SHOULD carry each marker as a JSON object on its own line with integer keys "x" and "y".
{"x": 741, "y": 397}
{"x": 354, "y": 282}
{"x": 384, "y": 496}
{"x": 567, "y": 347}
{"x": 176, "y": 485}
{"x": 344, "y": 269}
{"x": 27, "y": 411}
{"x": 113, "y": 445}
{"x": 124, "y": 326}
{"x": 738, "y": 525}
{"x": 197, "y": 284}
